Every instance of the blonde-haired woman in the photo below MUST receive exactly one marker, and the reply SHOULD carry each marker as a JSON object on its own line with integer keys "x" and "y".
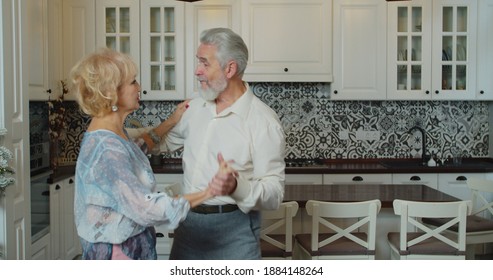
{"x": 116, "y": 205}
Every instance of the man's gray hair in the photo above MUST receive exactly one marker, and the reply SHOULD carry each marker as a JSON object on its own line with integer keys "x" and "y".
{"x": 230, "y": 46}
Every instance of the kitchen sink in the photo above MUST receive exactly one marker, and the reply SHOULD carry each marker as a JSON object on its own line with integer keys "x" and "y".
{"x": 402, "y": 163}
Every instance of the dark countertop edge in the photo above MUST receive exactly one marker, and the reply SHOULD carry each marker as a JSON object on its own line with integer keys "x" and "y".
{"x": 61, "y": 173}
{"x": 365, "y": 166}
{"x": 342, "y": 166}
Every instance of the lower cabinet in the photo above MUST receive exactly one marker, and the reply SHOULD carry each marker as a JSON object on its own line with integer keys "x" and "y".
{"x": 41, "y": 248}
{"x": 171, "y": 184}
{"x": 65, "y": 244}
{"x": 428, "y": 179}
{"x": 455, "y": 184}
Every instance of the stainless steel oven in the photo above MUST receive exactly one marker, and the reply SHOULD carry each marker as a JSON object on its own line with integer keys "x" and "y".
{"x": 40, "y": 157}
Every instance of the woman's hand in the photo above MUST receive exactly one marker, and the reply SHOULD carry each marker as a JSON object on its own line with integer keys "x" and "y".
{"x": 180, "y": 109}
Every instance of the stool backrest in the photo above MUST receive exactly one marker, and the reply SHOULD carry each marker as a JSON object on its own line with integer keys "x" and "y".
{"x": 412, "y": 212}
{"x": 283, "y": 216}
{"x": 365, "y": 212}
{"x": 480, "y": 189}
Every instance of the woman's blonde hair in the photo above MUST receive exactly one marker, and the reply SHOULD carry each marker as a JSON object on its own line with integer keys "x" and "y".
{"x": 97, "y": 78}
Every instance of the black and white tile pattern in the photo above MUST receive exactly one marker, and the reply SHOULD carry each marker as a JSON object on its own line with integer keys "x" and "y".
{"x": 313, "y": 123}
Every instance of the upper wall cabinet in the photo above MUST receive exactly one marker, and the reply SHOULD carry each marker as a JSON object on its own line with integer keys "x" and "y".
{"x": 152, "y": 32}
{"x": 162, "y": 53}
{"x": 44, "y": 20}
{"x": 484, "y": 89}
{"x": 78, "y": 33}
{"x": 359, "y": 50}
{"x": 117, "y": 26}
{"x": 288, "y": 40}
{"x": 204, "y": 15}
{"x": 422, "y": 66}
{"x": 156, "y": 37}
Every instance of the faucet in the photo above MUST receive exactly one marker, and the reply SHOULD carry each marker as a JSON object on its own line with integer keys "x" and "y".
{"x": 423, "y": 143}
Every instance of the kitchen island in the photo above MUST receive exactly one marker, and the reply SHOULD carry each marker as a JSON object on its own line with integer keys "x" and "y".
{"x": 358, "y": 192}
{"x": 422, "y": 183}
{"x": 386, "y": 219}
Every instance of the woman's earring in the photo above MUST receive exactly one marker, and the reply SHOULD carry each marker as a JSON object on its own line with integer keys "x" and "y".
{"x": 114, "y": 108}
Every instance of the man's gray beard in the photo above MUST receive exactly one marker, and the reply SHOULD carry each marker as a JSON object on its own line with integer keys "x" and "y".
{"x": 208, "y": 94}
{"x": 213, "y": 90}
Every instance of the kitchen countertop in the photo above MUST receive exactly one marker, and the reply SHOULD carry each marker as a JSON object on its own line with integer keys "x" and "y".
{"x": 342, "y": 166}
{"x": 347, "y": 166}
{"x": 355, "y": 193}
{"x": 61, "y": 173}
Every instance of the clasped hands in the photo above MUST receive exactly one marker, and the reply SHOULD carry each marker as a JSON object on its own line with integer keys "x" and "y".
{"x": 224, "y": 182}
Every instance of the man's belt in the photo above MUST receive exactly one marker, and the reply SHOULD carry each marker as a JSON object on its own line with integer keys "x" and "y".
{"x": 214, "y": 209}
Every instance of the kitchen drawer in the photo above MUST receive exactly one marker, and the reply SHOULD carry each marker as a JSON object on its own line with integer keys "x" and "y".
{"x": 455, "y": 184}
{"x": 384, "y": 178}
{"x": 428, "y": 179}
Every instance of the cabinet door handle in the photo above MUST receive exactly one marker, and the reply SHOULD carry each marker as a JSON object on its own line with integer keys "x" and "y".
{"x": 357, "y": 179}
{"x": 286, "y": 70}
{"x": 71, "y": 181}
{"x": 427, "y": 92}
{"x": 57, "y": 187}
{"x": 48, "y": 91}
{"x": 481, "y": 92}
{"x": 144, "y": 92}
{"x": 159, "y": 235}
{"x": 461, "y": 178}
{"x": 415, "y": 178}
{"x": 437, "y": 92}
{"x": 335, "y": 91}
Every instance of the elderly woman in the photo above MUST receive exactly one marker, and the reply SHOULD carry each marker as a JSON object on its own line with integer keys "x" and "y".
{"x": 116, "y": 205}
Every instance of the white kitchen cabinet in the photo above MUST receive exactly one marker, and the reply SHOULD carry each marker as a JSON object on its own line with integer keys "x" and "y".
{"x": 171, "y": 184}
{"x": 41, "y": 248}
{"x": 44, "y": 31}
{"x": 162, "y": 61}
{"x": 205, "y": 15}
{"x": 484, "y": 89}
{"x": 431, "y": 50}
{"x": 455, "y": 184}
{"x": 288, "y": 40}
{"x": 117, "y": 26}
{"x": 78, "y": 34}
{"x": 56, "y": 221}
{"x": 152, "y": 32}
{"x": 428, "y": 179}
{"x": 363, "y": 178}
{"x": 359, "y": 50}
{"x": 64, "y": 238}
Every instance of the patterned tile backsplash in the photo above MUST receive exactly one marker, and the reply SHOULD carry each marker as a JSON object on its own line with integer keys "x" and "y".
{"x": 317, "y": 127}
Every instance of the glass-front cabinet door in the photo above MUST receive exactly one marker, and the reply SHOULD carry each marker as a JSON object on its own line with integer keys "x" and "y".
{"x": 454, "y": 60}
{"x": 409, "y": 56}
{"x": 162, "y": 50}
{"x": 117, "y": 28}
{"x": 430, "y": 50}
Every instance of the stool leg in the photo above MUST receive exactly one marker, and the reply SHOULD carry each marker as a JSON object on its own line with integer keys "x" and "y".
{"x": 470, "y": 251}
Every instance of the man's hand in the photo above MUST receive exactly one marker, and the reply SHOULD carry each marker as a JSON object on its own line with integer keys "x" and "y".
{"x": 224, "y": 182}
